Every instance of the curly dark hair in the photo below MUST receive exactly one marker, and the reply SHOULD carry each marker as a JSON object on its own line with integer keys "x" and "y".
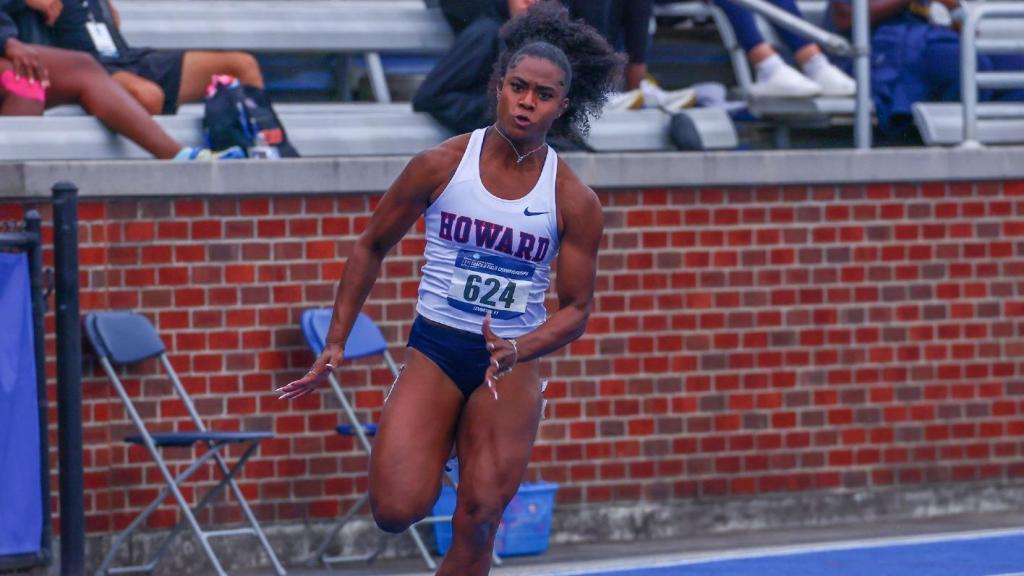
{"x": 546, "y": 30}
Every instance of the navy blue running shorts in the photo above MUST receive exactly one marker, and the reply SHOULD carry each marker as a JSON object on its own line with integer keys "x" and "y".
{"x": 462, "y": 355}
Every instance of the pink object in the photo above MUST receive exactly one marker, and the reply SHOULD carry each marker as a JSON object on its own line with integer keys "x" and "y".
{"x": 219, "y": 80}
{"x": 21, "y": 87}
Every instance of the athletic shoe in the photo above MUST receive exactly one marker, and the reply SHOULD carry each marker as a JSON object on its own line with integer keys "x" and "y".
{"x": 785, "y": 82}
{"x": 632, "y": 100}
{"x": 834, "y": 82}
{"x": 196, "y": 153}
{"x": 672, "y": 101}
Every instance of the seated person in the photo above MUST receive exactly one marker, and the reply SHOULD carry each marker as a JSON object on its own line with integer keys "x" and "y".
{"x": 160, "y": 80}
{"x": 456, "y": 90}
{"x": 913, "y": 60}
{"x": 39, "y": 76}
{"x": 773, "y": 78}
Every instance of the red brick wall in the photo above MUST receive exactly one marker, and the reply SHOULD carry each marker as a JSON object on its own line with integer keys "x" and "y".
{"x": 745, "y": 341}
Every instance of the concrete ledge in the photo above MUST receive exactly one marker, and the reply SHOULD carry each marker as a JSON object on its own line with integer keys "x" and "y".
{"x": 32, "y": 180}
{"x": 649, "y": 521}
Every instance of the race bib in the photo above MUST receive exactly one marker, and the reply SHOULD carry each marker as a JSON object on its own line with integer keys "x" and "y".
{"x": 485, "y": 283}
{"x": 102, "y": 39}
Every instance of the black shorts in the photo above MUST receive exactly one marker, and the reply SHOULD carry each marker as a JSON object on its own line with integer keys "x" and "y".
{"x": 162, "y": 67}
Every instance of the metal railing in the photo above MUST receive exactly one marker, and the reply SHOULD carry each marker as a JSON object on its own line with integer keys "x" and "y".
{"x": 970, "y": 46}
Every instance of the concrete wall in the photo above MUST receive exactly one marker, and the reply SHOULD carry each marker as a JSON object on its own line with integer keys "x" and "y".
{"x": 779, "y": 341}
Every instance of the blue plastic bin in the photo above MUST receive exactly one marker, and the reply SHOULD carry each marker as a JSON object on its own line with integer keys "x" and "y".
{"x": 525, "y": 526}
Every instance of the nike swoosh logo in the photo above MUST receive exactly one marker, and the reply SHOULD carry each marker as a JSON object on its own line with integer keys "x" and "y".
{"x": 526, "y": 212}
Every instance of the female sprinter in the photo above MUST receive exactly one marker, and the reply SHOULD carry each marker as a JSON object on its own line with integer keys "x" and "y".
{"x": 499, "y": 206}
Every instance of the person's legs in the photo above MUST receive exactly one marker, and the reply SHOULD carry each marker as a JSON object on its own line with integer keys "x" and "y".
{"x": 629, "y": 24}
{"x": 413, "y": 443}
{"x": 813, "y": 62}
{"x": 17, "y": 97}
{"x": 495, "y": 439}
{"x": 745, "y": 28}
{"x": 795, "y": 42}
{"x": 773, "y": 77}
{"x": 147, "y": 93}
{"x": 198, "y": 67}
{"x": 76, "y": 78}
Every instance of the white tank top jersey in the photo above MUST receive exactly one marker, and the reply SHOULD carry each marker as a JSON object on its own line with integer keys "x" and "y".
{"x": 485, "y": 254}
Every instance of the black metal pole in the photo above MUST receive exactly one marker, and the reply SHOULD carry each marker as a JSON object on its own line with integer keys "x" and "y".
{"x": 69, "y": 379}
{"x": 34, "y": 226}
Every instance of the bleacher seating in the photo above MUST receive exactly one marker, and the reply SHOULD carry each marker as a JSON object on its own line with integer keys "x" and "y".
{"x": 316, "y": 129}
{"x": 365, "y": 27}
{"x": 319, "y": 129}
{"x": 353, "y": 26}
{"x": 942, "y": 123}
{"x": 369, "y": 27}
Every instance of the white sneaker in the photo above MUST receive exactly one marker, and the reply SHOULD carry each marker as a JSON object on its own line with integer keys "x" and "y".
{"x": 785, "y": 82}
{"x": 834, "y": 82}
{"x": 632, "y": 100}
{"x": 672, "y": 101}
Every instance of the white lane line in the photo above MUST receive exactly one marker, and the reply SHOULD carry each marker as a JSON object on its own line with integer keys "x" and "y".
{"x": 684, "y": 559}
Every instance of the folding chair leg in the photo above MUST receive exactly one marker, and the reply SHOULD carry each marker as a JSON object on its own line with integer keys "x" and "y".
{"x": 164, "y": 471}
{"x": 228, "y": 480}
{"x": 321, "y": 550}
{"x": 193, "y": 523}
{"x": 141, "y": 518}
{"x": 392, "y": 365}
{"x": 228, "y": 473}
{"x": 431, "y": 565}
{"x": 350, "y": 413}
{"x": 278, "y": 568}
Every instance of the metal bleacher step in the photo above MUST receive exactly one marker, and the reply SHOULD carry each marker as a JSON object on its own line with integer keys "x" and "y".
{"x": 942, "y": 123}
{"x": 352, "y": 26}
{"x": 341, "y": 129}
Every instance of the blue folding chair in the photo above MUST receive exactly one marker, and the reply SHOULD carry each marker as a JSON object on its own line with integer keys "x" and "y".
{"x": 124, "y": 338}
{"x": 364, "y": 341}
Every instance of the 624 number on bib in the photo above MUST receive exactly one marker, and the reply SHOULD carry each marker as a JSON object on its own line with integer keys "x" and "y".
{"x": 483, "y": 283}
{"x": 485, "y": 291}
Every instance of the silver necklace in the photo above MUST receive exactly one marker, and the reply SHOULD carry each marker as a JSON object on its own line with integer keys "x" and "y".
{"x": 519, "y": 157}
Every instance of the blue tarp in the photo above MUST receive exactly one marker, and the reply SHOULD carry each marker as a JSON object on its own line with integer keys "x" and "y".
{"x": 21, "y": 514}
